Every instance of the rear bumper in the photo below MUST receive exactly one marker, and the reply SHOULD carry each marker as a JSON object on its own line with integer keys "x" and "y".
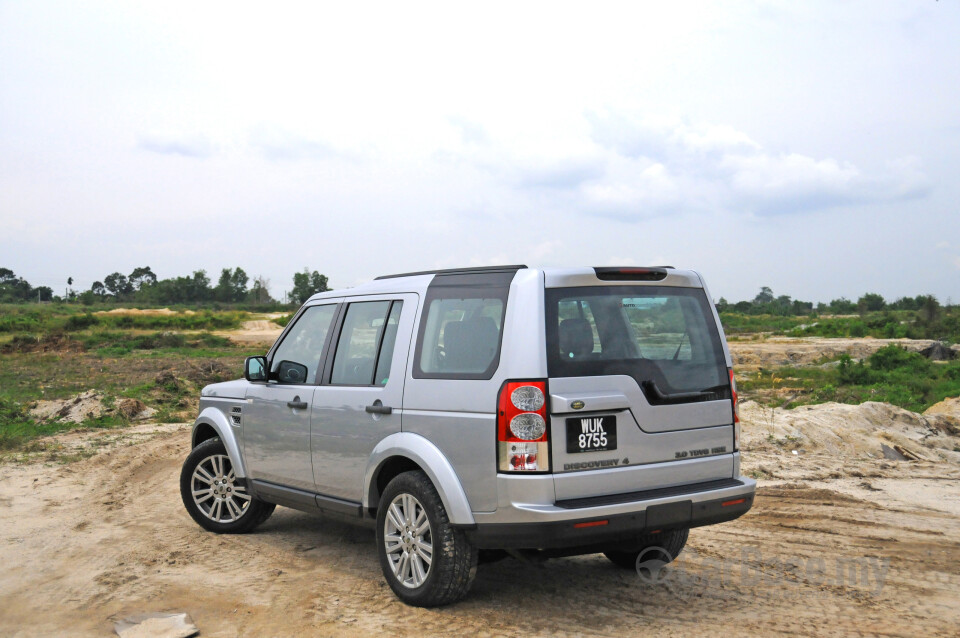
{"x": 615, "y": 518}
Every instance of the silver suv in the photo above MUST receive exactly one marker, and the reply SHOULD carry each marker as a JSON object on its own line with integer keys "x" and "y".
{"x": 476, "y": 412}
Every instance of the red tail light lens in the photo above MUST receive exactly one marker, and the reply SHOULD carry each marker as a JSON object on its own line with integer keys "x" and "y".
{"x": 736, "y": 411}
{"x": 522, "y": 431}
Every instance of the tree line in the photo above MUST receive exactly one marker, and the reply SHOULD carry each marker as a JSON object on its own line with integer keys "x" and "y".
{"x": 766, "y": 303}
{"x": 142, "y": 286}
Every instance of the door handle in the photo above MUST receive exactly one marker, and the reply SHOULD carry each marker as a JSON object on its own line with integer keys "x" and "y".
{"x": 297, "y": 404}
{"x": 378, "y": 408}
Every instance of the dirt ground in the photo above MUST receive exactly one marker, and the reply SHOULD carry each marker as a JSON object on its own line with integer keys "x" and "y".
{"x": 840, "y": 542}
{"x": 258, "y": 332}
{"x": 773, "y": 352}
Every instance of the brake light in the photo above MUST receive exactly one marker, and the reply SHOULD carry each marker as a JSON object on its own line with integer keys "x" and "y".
{"x": 736, "y": 411}
{"x": 522, "y": 430}
{"x": 658, "y": 273}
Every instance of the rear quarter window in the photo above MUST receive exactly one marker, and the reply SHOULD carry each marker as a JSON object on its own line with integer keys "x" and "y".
{"x": 461, "y": 329}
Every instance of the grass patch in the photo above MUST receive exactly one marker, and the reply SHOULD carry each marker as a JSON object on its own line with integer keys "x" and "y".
{"x": 284, "y": 320}
{"x": 735, "y": 323}
{"x": 53, "y": 318}
{"x": 891, "y": 374}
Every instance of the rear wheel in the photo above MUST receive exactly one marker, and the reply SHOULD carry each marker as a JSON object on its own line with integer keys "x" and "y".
{"x": 214, "y": 497}
{"x": 673, "y": 542}
{"x": 427, "y": 562}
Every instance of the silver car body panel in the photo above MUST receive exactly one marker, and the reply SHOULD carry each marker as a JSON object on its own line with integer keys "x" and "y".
{"x": 213, "y": 414}
{"x": 343, "y": 434}
{"x": 531, "y": 499}
{"x": 429, "y": 457}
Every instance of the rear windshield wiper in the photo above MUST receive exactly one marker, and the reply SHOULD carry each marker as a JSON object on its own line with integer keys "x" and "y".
{"x": 651, "y": 386}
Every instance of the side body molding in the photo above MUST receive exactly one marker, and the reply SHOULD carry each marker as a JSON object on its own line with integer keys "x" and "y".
{"x": 214, "y": 418}
{"x": 429, "y": 457}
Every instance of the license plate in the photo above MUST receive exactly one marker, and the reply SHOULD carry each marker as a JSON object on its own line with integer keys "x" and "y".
{"x": 592, "y": 433}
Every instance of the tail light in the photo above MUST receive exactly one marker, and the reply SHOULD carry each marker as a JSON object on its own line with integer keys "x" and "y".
{"x": 736, "y": 411}
{"x": 522, "y": 428}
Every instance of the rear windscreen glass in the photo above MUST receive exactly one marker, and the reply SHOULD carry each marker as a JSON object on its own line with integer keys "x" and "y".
{"x": 664, "y": 337}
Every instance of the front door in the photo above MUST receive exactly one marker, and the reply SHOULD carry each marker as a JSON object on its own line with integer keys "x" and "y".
{"x": 276, "y": 419}
{"x": 359, "y": 400}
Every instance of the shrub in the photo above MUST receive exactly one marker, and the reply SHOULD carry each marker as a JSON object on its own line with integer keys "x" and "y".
{"x": 893, "y": 357}
{"x": 850, "y": 373}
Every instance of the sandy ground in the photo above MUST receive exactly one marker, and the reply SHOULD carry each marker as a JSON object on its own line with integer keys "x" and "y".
{"x": 258, "y": 332}
{"x": 773, "y": 352}
{"x": 840, "y": 542}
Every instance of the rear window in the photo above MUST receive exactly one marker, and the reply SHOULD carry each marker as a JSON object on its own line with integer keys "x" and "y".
{"x": 664, "y": 337}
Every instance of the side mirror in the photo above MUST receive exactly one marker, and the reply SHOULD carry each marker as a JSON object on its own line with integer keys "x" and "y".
{"x": 255, "y": 369}
{"x": 291, "y": 372}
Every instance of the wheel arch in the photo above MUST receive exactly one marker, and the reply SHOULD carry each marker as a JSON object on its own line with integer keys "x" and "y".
{"x": 212, "y": 423}
{"x": 405, "y": 451}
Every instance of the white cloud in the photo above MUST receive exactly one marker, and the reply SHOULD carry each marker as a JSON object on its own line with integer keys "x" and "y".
{"x": 714, "y": 167}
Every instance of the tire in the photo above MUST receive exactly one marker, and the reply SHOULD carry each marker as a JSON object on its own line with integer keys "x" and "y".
{"x": 672, "y": 541}
{"x": 427, "y": 562}
{"x": 212, "y": 495}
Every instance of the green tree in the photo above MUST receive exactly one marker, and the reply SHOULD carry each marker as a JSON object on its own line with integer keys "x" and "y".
{"x": 117, "y": 285}
{"x": 870, "y": 302}
{"x": 142, "y": 276}
{"x": 232, "y": 286}
{"x": 929, "y": 309}
{"x": 842, "y": 306}
{"x": 307, "y": 284}
{"x": 765, "y": 296}
{"x": 260, "y": 291}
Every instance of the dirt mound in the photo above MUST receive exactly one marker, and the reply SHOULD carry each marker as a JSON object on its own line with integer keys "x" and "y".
{"x": 55, "y": 342}
{"x": 939, "y": 352}
{"x": 947, "y": 407}
{"x": 256, "y": 332}
{"x": 135, "y": 409}
{"x": 852, "y": 431}
{"x": 88, "y": 405}
{"x": 194, "y": 373}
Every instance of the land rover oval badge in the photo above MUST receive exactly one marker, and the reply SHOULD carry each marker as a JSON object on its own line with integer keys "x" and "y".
{"x": 577, "y": 405}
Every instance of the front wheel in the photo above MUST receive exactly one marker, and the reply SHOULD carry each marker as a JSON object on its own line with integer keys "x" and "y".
{"x": 213, "y": 496}
{"x": 426, "y": 561}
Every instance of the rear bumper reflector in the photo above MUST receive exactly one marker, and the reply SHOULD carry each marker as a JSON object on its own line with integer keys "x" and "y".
{"x": 590, "y": 524}
{"x": 733, "y": 502}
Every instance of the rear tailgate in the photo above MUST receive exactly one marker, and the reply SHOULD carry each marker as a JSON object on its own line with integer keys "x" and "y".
{"x": 640, "y": 390}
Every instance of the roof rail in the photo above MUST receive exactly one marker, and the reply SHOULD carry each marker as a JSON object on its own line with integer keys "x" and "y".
{"x": 457, "y": 271}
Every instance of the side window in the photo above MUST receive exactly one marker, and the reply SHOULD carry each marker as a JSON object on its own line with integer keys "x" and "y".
{"x": 297, "y": 358}
{"x": 364, "y": 328}
{"x": 462, "y": 336}
{"x": 389, "y": 342}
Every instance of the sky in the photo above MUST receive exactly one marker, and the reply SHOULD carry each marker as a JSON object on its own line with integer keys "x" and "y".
{"x": 812, "y": 147}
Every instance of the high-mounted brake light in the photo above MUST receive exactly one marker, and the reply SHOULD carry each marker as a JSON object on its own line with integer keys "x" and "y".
{"x": 736, "y": 411}
{"x": 522, "y": 432}
{"x": 631, "y": 274}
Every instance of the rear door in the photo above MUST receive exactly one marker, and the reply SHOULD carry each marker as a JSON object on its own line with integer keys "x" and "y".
{"x": 360, "y": 397}
{"x": 638, "y": 376}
